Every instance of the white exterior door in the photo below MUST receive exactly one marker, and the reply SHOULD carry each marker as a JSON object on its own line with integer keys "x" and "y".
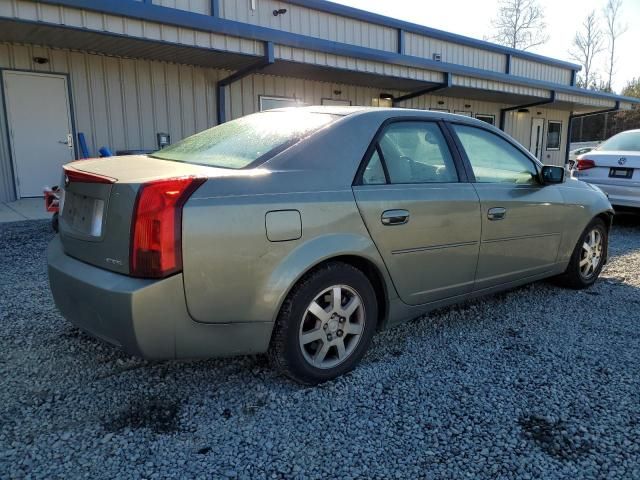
{"x": 40, "y": 130}
{"x": 537, "y": 135}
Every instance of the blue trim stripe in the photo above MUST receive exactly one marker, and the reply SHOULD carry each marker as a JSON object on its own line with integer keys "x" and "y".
{"x": 365, "y": 16}
{"x": 401, "y": 41}
{"x": 215, "y": 8}
{"x": 181, "y": 18}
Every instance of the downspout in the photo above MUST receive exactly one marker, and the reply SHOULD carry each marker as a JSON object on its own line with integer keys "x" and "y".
{"x": 580, "y": 115}
{"x": 503, "y": 111}
{"x": 268, "y": 59}
{"x": 424, "y": 91}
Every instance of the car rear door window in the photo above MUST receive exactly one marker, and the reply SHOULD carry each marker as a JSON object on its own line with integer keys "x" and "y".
{"x": 413, "y": 152}
{"x": 493, "y": 159}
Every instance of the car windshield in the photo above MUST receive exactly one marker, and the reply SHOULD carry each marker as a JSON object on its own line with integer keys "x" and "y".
{"x": 625, "y": 141}
{"x": 239, "y": 143}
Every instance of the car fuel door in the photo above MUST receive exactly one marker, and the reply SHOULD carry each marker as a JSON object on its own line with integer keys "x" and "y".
{"x": 423, "y": 220}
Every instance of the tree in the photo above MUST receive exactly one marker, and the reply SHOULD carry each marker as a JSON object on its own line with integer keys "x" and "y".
{"x": 614, "y": 30}
{"x": 519, "y": 24}
{"x": 587, "y": 44}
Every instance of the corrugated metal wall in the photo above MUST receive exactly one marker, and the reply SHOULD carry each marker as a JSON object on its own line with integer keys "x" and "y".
{"x": 197, "y": 6}
{"x": 540, "y": 71}
{"x": 518, "y": 125}
{"x": 425, "y": 47}
{"x": 99, "y": 22}
{"x": 313, "y": 23}
{"x": 483, "y": 84}
{"x": 355, "y": 64}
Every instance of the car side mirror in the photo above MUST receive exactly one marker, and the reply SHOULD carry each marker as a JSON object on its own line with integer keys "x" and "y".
{"x": 552, "y": 174}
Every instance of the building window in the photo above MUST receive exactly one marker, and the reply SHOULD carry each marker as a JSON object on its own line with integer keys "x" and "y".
{"x": 490, "y": 119}
{"x": 269, "y": 103}
{"x": 554, "y": 132}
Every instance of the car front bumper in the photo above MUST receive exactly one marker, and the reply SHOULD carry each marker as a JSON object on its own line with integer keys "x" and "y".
{"x": 147, "y": 318}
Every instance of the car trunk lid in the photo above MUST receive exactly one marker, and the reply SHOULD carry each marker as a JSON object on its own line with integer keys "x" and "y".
{"x": 99, "y": 196}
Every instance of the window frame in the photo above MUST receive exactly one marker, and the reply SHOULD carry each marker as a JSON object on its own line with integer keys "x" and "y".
{"x": 467, "y": 163}
{"x": 458, "y": 162}
{"x": 276, "y": 97}
{"x": 486, "y": 115}
{"x": 546, "y": 140}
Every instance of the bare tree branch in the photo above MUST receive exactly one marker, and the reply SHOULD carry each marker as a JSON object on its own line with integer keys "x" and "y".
{"x": 587, "y": 44}
{"x": 519, "y": 24}
{"x": 614, "y": 30}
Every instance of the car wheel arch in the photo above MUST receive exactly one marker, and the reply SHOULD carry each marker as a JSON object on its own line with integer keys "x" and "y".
{"x": 367, "y": 266}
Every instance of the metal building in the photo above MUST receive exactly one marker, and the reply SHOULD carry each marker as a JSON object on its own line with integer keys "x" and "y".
{"x": 130, "y": 73}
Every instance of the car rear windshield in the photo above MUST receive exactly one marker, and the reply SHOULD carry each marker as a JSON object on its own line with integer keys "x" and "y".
{"x": 247, "y": 140}
{"x": 625, "y": 141}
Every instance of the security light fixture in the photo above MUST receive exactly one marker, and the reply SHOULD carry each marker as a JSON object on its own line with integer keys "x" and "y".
{"x": 440, "y": 102}
{"x": 523, "y": 110}
{"x": 437, "y": 57}
{"x": 467, "y": 105}
{"x": 337, "y": 92}
{"x": 280, "y": 11}
{"x": 386, "y": 96}
{"x": 40, "y": 60}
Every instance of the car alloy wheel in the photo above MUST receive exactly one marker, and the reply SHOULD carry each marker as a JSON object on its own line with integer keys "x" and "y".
{"x": 332, "y": 326}
{"x": 591, "y": 254}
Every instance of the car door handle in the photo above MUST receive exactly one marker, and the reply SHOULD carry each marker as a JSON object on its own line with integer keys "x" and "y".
{"x": 394, "y": 217}
{"x": 497, "y": 213}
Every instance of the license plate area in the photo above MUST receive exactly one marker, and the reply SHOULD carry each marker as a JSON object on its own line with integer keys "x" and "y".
{"x": 83, "y": 214}
{"x": 616, "y": 172}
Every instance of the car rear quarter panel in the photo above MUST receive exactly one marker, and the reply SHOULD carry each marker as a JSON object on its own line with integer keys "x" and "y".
{"x": 234, "y": 273}
{"x": 583, "y": 203}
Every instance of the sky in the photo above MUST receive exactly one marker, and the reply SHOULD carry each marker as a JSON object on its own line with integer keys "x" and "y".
{"x": 563, "y": 17}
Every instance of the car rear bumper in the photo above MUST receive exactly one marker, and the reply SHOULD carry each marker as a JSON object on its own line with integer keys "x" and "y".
{"x": 147, "y": 318}
{"x": 620, "y": 195}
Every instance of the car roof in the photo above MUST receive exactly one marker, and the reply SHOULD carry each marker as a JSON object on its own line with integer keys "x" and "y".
{"x": 383, "y": 112}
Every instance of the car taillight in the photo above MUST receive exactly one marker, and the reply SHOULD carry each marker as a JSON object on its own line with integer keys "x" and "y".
{"x": 79, "y": 176}
{"x": 156, "y": 227}
{"x": 585, "y": 164}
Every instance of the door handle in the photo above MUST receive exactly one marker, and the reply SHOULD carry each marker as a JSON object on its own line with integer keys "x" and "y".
{"x": 394, "y": 217}
{"x": 497, "y": 213}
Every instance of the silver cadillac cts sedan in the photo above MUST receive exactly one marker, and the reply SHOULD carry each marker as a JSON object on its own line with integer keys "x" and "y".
{"x": 301, "y": 232}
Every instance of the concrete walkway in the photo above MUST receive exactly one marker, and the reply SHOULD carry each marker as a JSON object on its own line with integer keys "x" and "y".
{"x": 23, "y": 209}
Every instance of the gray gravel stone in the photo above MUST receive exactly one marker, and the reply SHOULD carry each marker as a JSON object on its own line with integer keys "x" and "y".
{"x": 539, "y": 382}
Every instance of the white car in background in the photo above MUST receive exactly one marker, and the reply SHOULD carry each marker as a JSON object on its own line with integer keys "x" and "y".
{"x": 614, "y": 166}
{"x": 574, "y": 154}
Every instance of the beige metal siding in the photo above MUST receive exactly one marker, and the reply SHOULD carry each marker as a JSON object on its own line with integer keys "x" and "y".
{"x": 99, "y": 22}
{"x": 123, "y": 103}
{"x": 314, "y": 23}
{"x": 540, "y": 71}
{"x": 424, "y": 47}
{"x": 197, "y": 6}
{"x": 586, "y": 100}
{"x": 518, "y": 125}
{"x": 483, "y": 84}
{"x": 355, "y": 64}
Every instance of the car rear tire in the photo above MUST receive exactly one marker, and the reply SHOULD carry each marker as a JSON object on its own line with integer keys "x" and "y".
{"x": 325, "y": 325}
{"x": 588, "y": 256}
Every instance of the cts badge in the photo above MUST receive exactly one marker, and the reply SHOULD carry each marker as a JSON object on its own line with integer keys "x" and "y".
{"x": 622, "y": 161}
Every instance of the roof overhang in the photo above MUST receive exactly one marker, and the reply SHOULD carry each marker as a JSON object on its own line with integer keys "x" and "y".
{"x": 119, "y": 45}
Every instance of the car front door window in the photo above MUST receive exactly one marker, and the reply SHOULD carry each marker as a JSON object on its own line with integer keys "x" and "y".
{"x": 494, "y": 160}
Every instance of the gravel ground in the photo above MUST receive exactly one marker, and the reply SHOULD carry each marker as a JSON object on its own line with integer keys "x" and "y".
{"x": 539, "y": 382}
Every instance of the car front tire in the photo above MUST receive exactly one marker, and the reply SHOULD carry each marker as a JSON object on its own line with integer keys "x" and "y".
{"x": 325, "y": 325}
{"x": 588, "y": 256}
